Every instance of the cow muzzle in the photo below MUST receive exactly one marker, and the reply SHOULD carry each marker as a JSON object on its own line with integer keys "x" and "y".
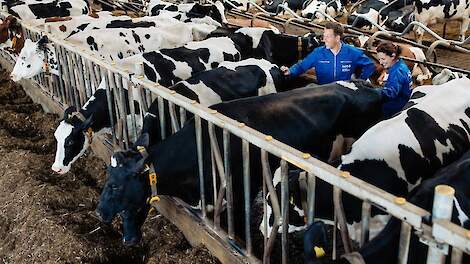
{"x": 60, "y": 169}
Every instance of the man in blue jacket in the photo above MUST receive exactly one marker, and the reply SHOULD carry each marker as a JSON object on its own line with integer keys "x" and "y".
{"x": 336, "y": 61}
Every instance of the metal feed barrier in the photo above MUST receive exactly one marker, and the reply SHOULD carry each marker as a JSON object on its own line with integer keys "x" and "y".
{"x": 81, "y": 72}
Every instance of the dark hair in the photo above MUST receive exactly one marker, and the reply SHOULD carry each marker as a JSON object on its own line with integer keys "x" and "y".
{"x": 389, "y": 49}
{"x": 337, "y": 28}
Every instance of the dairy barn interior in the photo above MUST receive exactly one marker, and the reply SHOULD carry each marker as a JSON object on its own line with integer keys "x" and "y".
{"x": 235, "y": 131}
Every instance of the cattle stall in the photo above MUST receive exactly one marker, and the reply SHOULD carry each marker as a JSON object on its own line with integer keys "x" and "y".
{"x": 199, "y": 226}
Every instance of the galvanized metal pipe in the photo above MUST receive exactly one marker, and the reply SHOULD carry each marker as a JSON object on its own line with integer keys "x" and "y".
{"x": 200, "y": 163}
{"x": 246, "y": 191}
{"x": 365, "y": 222}
{"x": 229, "y": 188}
{"x": 284, "y": 209}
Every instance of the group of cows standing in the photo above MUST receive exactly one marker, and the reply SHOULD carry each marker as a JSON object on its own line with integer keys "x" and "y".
{"x": 236, "y": 72}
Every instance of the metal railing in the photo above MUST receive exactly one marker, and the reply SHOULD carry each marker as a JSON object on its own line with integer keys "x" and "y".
{"x": 70, "y": 89}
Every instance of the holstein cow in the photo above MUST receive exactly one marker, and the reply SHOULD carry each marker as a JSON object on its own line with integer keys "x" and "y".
{"x": 384, "y": 247}
{"x": 429, "y": 12}
{"x": 447, "y": 75}
{"x": 229, "y": 81}
{"x": 192, "y": 10}
{"x": 200, "y": 30}
{"x": 273, "y": 5}
{"x": 403, "y": 151}
{"x": 307, "y": 119}
{"x": 398, "y": 20}
{"x": 76, "y": 131}
{"x": 277, "y": 48}
{"x": 333, "y": 8}
{"x": 370, "y": 9}
{"x": 419, "y": 71}
{"x": 169, "y": 66}
{"x": 120, "y": 43}
{"x": 48, "y": 8}
{"x": 117, "y": 43}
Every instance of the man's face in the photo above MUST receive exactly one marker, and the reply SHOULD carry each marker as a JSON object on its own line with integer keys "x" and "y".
{"x": 331, "y": 40}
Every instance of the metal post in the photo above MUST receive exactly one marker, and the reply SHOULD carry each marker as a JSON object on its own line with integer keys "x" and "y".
{"x": 229, "y": 189}
{"x": 284, "y": 209}
{"x": 365, "y": 222}
{"x": 246, "y": 189}
{"x": 339, "y": 212}
{"x": 197, "y": 120}
{"x": 161, "y": 115}
{"x": 441, "y": 209}
{"x": 311, "y": 179}
{"x": 404, "y": 245}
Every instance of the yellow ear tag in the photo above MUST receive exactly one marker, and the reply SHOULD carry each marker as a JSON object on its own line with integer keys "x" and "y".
{"x": 319, "y": 252}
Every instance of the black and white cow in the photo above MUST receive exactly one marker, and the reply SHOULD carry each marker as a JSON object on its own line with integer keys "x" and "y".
{"x": 384, "y": 247}
{"x": 36, "y": 9}
{"x": 370, "y": 9}
{"x": 169, "y": 66}
{"x": 272, "y": 6}
{"x": 110, "y": 44}
{"x": 34, "y": 58}
{"x": 404, "y": 150}
{"x": 191, "y": 10}
{"x": 306, "y": 119}
{"x": 75, "y": 132}
{"x": 398, "y": 20}
{"x": 280, "y": 49}
{"x": 229, "y": 81}
{"x": 429, "y": 12}
{"x": 333, "y": 8}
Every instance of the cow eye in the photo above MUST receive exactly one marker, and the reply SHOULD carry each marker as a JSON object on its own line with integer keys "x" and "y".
{"x": 69, "y": 142}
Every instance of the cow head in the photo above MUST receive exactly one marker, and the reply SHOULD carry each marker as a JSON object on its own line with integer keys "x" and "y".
{"x": 30, "y": 60}
{"x": 125, "y": 191}
{"x": 446, "y": 75}
{"x": 72, "y": 140}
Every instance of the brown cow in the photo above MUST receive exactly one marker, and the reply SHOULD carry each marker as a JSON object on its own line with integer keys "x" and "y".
{"x": 419, "y": 71}
{"x": 10, "y": 30}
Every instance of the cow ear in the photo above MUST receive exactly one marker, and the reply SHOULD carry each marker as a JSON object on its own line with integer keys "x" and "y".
{"x": 68, "y": 113}
{"x": 87, "y": 123}
{"x": 143, "y": 141}
{"x": 43, "y": 41}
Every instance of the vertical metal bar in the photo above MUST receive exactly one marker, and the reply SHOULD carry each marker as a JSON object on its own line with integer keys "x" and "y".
{"x": 123, "y": 109}
{"x": 457, "y": 256}
{"x": 265, "y": 215}
{"x": 80, "y": 84}
{"x": 161, "y": 113}
{"x": 228, "y": 177}
{"x": 311, "y": 198}
{"x": 73, "y": 82}
{"x": 197, "y": 120}
{"x": 246, "y": 192}
{"x": 335, "y": 236}
{"x": 109, "y": 97}
{"x": 404, "y": 246}
{"x": 441, "y": 209}
{"x": 68, "y": 95}
{"x": 182, "y": 116}
{"x": 274, "y": 205}
{"x": 214, "y": 187}
{"x": 133, "y": 128}
{"x": 284, "y": 209}
{"x": 365, "y": 222}
{"x": 174, "y": 120}
{"x": 339, "y": 212}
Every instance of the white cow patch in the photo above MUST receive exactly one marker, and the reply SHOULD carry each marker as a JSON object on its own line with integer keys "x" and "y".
{"x": 349, "y": 85}
{"x": 461, "y": 214}
{"x": 113, "y": 162}
{"x": 206, "y": 95}
{"x": 255, "y": 33}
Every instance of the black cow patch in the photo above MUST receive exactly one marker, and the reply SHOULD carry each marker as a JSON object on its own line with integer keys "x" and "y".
{"x": 130, "y": 24}
{"x": 147, "y": 36}
{"x": 417, "y": 95}
{"x": 91, "y": 41}
{"x": 136, "y": 37}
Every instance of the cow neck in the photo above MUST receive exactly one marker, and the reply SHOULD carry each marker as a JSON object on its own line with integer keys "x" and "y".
{"x": 81, "y": 117}
{"x": 174, "y": 159}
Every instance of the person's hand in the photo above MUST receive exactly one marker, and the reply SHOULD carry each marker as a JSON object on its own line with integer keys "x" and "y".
{"x": 285, "y": 70}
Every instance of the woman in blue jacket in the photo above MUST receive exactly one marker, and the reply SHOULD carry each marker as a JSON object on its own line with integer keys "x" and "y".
{"x": 397, "y": 87}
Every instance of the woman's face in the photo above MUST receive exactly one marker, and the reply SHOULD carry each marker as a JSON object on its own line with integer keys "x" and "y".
{"x": 385, "y": 60}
